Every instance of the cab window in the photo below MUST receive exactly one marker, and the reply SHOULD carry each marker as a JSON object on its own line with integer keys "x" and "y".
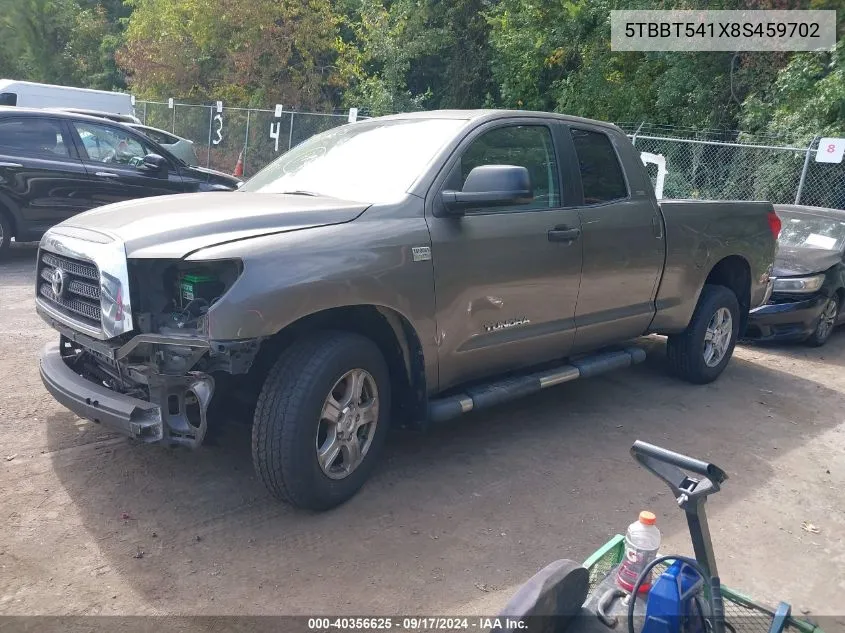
{"x": 601, "y": 174}
{"x": 528, "y": 146}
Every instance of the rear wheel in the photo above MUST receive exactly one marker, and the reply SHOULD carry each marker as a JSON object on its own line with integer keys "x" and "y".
{"x": 321, "y": 419}
{"x": 827, "y": 321}
{"x": 702, "y": 351}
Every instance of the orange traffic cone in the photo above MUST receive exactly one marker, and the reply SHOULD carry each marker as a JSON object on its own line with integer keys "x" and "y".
{"x": 239, "y": 166}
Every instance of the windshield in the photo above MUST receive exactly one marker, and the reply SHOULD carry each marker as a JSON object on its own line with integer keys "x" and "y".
{"x": 812, "y": 231}
{"x": 373, "y": 162}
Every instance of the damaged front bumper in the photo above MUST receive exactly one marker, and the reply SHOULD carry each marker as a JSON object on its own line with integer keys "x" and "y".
{"x": 146, "y": 405}
{"x": 127, "y": 415}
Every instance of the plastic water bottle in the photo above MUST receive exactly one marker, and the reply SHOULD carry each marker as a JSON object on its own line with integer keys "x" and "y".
{"x": 642, "y": 540}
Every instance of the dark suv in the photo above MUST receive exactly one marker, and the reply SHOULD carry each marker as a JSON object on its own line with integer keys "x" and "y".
{"x": 56, "y": 164}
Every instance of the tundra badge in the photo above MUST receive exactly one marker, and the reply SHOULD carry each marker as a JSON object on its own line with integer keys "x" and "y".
{"x": 421, "y": 253}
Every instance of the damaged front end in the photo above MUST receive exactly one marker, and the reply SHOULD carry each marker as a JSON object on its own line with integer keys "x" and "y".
{"x": 154, "y": 381}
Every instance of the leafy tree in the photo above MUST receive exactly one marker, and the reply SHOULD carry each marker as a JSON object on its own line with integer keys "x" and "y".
{"x": 236, "y": 50}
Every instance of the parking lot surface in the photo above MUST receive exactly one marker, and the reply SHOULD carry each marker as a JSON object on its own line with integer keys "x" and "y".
{"x": 452, "y": 521}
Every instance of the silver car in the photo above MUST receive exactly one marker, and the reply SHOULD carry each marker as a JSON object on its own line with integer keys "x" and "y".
{"x": 176, "y": 145}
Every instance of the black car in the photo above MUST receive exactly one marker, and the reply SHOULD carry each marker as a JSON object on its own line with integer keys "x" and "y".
{"x": 56, "y": 164}
{"x": 809, "y": 276}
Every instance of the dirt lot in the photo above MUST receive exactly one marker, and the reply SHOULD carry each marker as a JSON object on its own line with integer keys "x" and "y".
{"x": 452, "y": 522}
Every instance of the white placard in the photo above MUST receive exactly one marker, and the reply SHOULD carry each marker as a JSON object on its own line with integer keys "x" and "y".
{"x": 170, "y": 103}
{"x": 820, "y": 241}
{"x": 353, "y": 115}
{"x": 278, "y": 110}
{"x": 830, "y": 150}
{"x": 219, "y": 107}
{"x": 132, "y": 99}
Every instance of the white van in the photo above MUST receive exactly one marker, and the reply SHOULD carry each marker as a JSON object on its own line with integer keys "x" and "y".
{"x": 27, "y": 94}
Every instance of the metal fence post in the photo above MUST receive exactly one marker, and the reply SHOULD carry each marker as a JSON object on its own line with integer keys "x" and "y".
{"x": 290, "y": 134}
{"x": 634, "y": 137}
{"x": 145, "y": 112}
{"x": 173, "y": 120}
{"x": 246, "y": 140}
{"x": 210, "y": 125}
{"x": 804, "y": 171}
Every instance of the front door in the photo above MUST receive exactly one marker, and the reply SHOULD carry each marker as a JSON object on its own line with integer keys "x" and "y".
{"x": 506, "y": 279}
{"x": 112, "y": 154}
{"x": 622, "y": 235}
{"x": 41, "y": 179}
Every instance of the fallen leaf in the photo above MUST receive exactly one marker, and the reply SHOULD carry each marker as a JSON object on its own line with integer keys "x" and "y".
{"x": 809, "y": 527}
{"x": 483, "y": 587}
{"x": 11, "y": 457}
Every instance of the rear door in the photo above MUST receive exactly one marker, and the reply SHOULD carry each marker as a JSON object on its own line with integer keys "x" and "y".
{"x": 506, "y": 285}
{"x": 42, "y": 181}
{"x": 111, "y": 155}
{"x": 622, "y": 237}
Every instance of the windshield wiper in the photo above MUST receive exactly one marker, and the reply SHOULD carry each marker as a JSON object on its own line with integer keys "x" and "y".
{"x": 301, "y": 192}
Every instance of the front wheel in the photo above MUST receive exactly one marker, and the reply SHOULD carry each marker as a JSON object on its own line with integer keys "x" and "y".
{"x": 827, "y": 321}
{"x": 321, "y": 419}
{"x": 702, "y": 351}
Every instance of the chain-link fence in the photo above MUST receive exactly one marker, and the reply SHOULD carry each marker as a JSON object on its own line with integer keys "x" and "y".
{"x": 705, "y": 164}
{"x": 730, "y": 166}
{"x": 222, "y": 137}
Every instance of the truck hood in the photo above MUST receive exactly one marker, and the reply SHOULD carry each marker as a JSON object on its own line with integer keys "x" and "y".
{"x": 795, "y": 261}
{"x": 170, "y": 227}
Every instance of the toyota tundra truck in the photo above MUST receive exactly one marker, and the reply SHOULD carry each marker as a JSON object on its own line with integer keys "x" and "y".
{"x": 398, "y": 271}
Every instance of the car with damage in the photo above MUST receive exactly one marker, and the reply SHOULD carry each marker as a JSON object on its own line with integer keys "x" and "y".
{"x": 398, "y": 271}
{"x": 808, "y": 279}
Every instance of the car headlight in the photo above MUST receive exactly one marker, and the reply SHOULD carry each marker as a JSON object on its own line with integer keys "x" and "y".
{"x": 800, "y": 285}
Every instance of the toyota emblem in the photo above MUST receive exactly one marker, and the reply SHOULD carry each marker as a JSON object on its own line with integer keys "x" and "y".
{"x": 57, "y": 282}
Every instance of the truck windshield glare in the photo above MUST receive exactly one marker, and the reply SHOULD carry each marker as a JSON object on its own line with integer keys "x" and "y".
{"x": 366, "y": 162}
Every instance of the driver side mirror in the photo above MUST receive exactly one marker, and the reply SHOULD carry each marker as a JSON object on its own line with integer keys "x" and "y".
{"x": 490, "y": 186}
{"x": 154, "y": 163}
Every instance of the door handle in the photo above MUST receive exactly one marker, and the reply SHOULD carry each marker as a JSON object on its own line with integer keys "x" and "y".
{"x": 107, "y": 174}
{"x": 10, "y": 165}
{"x": 564, "y": 234}
{"x": 657, "y": 227}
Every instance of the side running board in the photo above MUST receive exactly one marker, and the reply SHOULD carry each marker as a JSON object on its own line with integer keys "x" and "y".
{"x": 488, "y": 395}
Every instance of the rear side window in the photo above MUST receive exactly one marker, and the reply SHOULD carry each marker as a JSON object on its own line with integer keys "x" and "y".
{"x": 8, "y": 99}
{"x": 601, "y": 173}
{"x": 38, "y": 137}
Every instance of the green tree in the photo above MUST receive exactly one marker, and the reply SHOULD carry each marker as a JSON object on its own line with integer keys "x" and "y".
{"x": 265, "y": 51}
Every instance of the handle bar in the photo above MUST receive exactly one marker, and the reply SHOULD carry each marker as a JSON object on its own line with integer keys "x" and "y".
{"x": 670, "y": 466}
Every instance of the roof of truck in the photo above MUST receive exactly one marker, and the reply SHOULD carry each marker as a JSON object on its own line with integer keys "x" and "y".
{"x": 473, "y": 115}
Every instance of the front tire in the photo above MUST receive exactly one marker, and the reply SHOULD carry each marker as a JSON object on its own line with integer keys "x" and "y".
{"x": 321, "y": 419}
{"x": 702, "y": 351}
{"x": 827, "y": 321}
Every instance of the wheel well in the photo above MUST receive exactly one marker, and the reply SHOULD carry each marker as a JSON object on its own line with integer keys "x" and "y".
{"x": 390, "y": 331}
{"x": 734, "y": 273}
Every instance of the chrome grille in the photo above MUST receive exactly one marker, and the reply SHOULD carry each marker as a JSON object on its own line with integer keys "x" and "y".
{"x": 73, "y": 266}
{"x": 81, "y": 297}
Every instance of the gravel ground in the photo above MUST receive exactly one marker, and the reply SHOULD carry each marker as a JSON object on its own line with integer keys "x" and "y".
{"x": 451, "y": 522}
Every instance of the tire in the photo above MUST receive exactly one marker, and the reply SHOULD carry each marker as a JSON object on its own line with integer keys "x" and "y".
{"x": 5, "y": 234}
{"x": 688, "y": 351}
{"x": 288, "y": 424}
{"x": 826, "y": 324}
